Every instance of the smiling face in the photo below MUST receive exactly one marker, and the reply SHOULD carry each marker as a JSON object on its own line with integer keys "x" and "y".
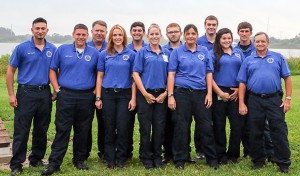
{"x": 99, "y": 33}
{"x": 261, "y": 43}
{"x": 137, "y": 33}
{"x": 117, "y": 37}
{"x": 190, "y": 36}
{"x": 154, "y": 36}
{"x": 226, "y": 41}
{"x": 39, "y": 30}
{"x": 80, "y": 37}
{"x": 245, "y": 34}
{"x": 211, "y": 27}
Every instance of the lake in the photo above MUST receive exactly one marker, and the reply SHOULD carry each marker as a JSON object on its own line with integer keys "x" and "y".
{"x": 7, "y": 48}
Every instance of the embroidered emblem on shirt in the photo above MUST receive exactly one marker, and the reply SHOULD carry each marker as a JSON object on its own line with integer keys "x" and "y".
{"x": 237, "y": 55}
{"x": 31, "y": 53}
{"x": 87, "y": 57}
{"x": 200, "y": 56}
{"x": 270, "y": 60}
{"x": 125, "y": 57}
{"x": 165, "y": 57}
{"x": 48, "y": 53}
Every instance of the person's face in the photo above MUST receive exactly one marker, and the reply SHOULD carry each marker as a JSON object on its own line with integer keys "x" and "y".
{"x": 154, "y": 36}
{"x": 211, "y": 27}
{"x": 137, "y": 33}
{"x": 99, "y": 33}
{"x": 117, "y": 37}
{"x": 80, "y": 37}
{"x": 226, "y": 41}
{"x": 260, "y": 43}
{"x": 174, "y": 34}
{"x": 39, "y": 30}
{"x": 190, "y": 36}
{"x": 245, "y": 34}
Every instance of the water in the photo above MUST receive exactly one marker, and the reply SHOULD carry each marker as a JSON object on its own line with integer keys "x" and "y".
{"x": 7, "y": 48}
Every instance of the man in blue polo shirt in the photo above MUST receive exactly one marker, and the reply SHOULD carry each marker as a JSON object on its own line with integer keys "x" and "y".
{"x": 211, "y": 25}
{"x": 265, "y": 101}
{"x": 72, "y": 74}
{"x": 33, "y": 98}
{"x": 137, "y": 32}
{"x": 99, "y": 31}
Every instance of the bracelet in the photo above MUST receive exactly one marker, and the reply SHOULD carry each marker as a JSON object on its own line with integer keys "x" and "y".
{"x": 288, "y": 98}
{"x": 98, "y": 98}
{"x": 56, "y": 91}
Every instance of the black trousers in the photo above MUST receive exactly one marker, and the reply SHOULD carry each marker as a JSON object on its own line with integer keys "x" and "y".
{"x": 169, "y": 133}
{"x": 73, "y": 109}
{"x": 130, "y": 135}
{"x": 36, "y": 105}
{"x": 259, "y": 110}
{"x": 152, "y": 119}
{"x": 100, "y": 135}
{"x": 188, "y": 103}
{"x": 220, "y": 111}
{"x": 117, "y": 120}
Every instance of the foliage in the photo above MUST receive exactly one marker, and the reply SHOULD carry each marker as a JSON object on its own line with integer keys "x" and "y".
{"x": 3, "y": 64}
{"x": 294, "y": 64}
{"x": 135, "y": 168}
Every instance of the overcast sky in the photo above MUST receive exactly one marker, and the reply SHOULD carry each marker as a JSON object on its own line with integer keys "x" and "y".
{"x": 280, "y": 18}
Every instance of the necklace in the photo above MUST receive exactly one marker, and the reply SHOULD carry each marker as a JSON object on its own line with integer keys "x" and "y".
{"x": 79, "y": 53}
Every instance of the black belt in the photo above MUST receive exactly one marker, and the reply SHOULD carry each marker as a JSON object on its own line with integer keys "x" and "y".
{"x": 266, "y": 95}
{"x": 41, "y": 87}
{"x": 116, "y": 89}
{"x": 156, "y": 90}
{"x": 189, "y": 90}
{"x": 77, "y": 91}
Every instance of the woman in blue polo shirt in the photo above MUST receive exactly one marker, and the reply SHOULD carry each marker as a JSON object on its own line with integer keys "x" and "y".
{"x": 150, "y": 76}
{"x": 227, "y": 62}
{"x": 116, "y": 95}
{"x": 190, "y": 93}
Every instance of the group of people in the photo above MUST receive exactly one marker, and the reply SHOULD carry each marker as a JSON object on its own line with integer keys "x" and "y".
{"x": 204, "y": 78}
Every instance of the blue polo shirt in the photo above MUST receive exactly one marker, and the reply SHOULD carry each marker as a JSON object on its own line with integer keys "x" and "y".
{"x": 76, "y": 71}
{"x": 32, "y": 63}
{"x": 247, "y": 52}
{"x": 229, "y": 68}
{"x": 152, "y": 67}
{"x": 190, "y": 67}
{"x": 263, "y": 75}
{"x": 168, "y": 47}
{"x": 204, "y": 42}
{"x": 103, "y": 47}
{"x": 117, "y": 69}
{"x": 131, "y": 46}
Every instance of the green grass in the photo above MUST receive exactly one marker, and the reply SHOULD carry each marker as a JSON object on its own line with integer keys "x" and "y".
{"x": 135, "y": 167}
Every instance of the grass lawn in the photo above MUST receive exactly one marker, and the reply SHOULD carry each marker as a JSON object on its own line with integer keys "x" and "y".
{"x": 135, "y": 167}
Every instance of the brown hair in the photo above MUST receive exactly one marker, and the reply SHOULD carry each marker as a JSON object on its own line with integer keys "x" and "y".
{"x": 211, "y": 17}
{"x": 244, "y": 25}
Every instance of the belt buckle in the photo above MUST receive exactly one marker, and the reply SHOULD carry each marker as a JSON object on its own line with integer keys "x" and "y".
{"x": 191, "y": 90}
{"x": 263, "y": 95}
{"x": 40, "y": 87}
{"x": 156, "y": 90}
{"x": 116, "y": 90}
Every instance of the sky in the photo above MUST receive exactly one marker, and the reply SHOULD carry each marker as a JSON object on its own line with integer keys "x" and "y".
{"x": 279, "y": 18}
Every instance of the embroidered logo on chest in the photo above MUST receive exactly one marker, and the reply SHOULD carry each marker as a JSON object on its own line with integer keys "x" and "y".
{"x": 49, "y": 54}
{"x": 125, "y": 57}
{"x": 270, "y": 60}
{"x": 87, "y": 57}
{"x": 201, "y": 56}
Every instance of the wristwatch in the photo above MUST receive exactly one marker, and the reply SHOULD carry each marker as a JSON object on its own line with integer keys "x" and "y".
{"x": 170, "y": 95}
{"x": 288, "y": 98}
{"x": 98, "y": 98}
{"x": 56, "y": 91}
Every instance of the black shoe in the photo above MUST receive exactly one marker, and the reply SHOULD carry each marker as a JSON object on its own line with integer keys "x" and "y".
{"x": 223, "y": 161}
{"x": 258, "y": 165}
{"x": 50, "y": 170}
{"x": 179, "y": 165}
{"x": 214, "y": 165}
{"x": 148, "y": 165}
{"x": 101, "y": 155}
{"x": 37, "y": 164}
{"x": 159, "y": 164}
{"x": 121, "y": 164}
{"x": 110, "y": 166}
{"x": 16, "y": 171}
{"x": 200, "y": 155}
{"x": 166, "y": 159}
{"x": 284, "y": 169}
{"x": 234, "y": 160}
{"x": 190, "y": 161}
{"x": 81, "y": 166}
{"x": 246, "y": 155}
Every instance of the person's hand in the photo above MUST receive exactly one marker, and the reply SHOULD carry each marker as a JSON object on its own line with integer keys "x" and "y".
{"x": 132, "y": 104}
{"x": 286, "y": 105}
{"x": 234, "y": 95}
{"x": 171, "y": 103}
{"x": 98, "y": 104}
{"x": 53, "y": 96}
{"x": 225, "y": 96}
{"x": 13, "y": 102}
{"x": 208, "y": 101}
{"x": 243, "y": 110}
{"x": 161, "y": 98}
{"x": 149, "y": 98}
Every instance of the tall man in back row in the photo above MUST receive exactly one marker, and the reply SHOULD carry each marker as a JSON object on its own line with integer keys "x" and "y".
{"x": 33, "y": 99}
{"x": 261, "y": 74}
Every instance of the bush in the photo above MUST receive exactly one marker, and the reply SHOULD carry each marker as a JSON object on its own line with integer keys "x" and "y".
{"x": 294, "y": 64}
{"x": 3, "y": 64}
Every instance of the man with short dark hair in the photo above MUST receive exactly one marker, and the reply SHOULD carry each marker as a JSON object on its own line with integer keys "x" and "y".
{"x": 211, "y": 25}
{"x": 265, "y": 101}
{"x": 33, "y": 99}
{"x": 72, "y": 74}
